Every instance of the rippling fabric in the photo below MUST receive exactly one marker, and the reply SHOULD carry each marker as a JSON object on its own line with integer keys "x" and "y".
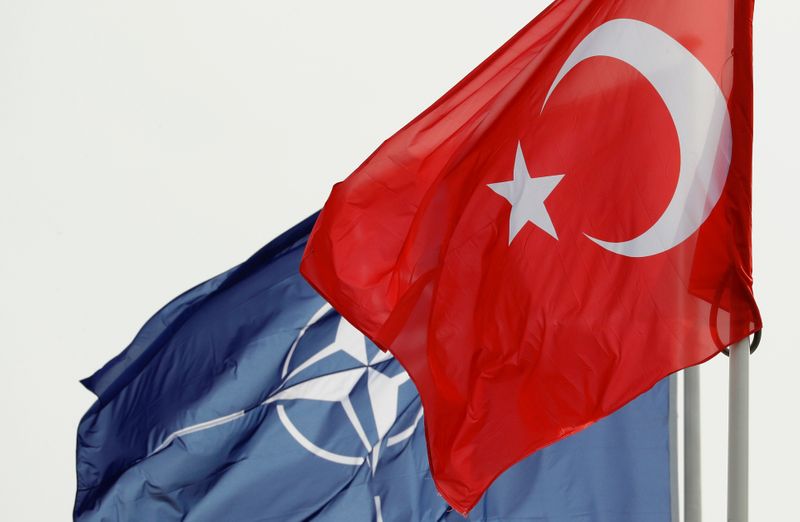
{"x": 231, "y": 405}
{"x": 563, "y": 229}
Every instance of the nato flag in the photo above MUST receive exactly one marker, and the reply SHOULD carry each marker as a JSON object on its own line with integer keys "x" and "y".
{"x": 248, "y": 398}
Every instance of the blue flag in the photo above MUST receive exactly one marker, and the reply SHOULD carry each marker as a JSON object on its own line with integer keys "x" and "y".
{"x": 248, "y": 398}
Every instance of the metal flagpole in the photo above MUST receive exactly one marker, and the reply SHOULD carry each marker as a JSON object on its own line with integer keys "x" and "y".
{"x": 692, "y": 490}
{"x": 738, "y": 431}
{"x": 674, "y": 493}
{"x": 738, "y": 383}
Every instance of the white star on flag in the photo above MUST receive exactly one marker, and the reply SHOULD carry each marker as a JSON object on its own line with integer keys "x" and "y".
{"x": 527, "y": 195}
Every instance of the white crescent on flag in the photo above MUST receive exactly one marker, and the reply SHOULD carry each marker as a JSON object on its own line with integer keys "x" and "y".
{"x": 699, "y": 111}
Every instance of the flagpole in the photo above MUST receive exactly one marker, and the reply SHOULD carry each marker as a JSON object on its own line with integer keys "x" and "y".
{"x": 739, "y": 364}
{"x": 692, "y": 487}
{"x": 738, "y": 431}
{"x": 674, "y": 466}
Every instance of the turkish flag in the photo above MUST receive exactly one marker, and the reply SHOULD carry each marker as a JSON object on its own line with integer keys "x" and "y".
{"x": 564, "y": 228}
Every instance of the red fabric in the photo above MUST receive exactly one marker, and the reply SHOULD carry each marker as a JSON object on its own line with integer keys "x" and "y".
{"x": 514, "y": 346}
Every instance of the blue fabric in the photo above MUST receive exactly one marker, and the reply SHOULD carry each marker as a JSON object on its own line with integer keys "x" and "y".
{"x": 221, "y": 410}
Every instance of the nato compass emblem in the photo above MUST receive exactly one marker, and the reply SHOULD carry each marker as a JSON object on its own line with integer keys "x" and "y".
{"x": 342, "y": 402}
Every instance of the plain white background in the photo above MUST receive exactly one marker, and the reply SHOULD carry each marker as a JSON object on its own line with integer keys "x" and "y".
{"x": 146, "y": 146}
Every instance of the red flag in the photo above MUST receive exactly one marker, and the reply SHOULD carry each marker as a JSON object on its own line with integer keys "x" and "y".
{"x": 561, "y": 230}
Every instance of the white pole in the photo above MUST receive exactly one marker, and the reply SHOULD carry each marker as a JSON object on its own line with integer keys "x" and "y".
{"x": 674, "y": 493}
{"x": 692, "y": 491}
{"x": 738, "y": 431}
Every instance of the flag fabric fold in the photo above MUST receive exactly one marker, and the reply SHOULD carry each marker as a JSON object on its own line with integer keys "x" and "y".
{"x": 248, "y": 398}
{"x": 564, "y": 228}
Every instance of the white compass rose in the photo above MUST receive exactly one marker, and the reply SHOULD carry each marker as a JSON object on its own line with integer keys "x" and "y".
{"x": 338, "y": 386}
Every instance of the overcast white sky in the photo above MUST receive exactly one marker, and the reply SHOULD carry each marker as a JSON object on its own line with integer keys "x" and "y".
{"x": 147, "y": 146}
